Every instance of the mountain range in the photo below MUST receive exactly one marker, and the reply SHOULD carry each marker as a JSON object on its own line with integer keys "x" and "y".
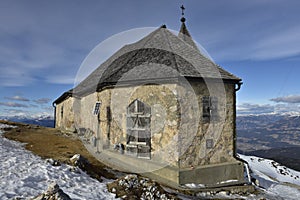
{"x": 41, "y": 120}
{"x": 261, "y": 132}
{"x": 272, "y": 136}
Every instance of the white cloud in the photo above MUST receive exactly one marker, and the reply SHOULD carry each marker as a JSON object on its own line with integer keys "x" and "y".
{"x": 42, "y": 100}
{"x": 287, "y": 99}
{"x": 14, "y": 76}
{"x": 249, "y": 108}
{"x": 17, "y": 98}
{"x": 13, "y": 112}
{"x": 61, "y": 79}
{"x": 280, "y": 44}
{"x": 263, "y": 45}
{"x": 256, "y": 30}
{"x": 13, "y": 104}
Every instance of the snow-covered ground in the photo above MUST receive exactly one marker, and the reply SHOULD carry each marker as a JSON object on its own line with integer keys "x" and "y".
{"x": 25, "y": 175}
{"x": 277, "y": 180}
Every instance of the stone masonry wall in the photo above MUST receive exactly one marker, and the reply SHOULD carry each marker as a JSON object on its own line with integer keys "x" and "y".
{"x": 65, "y": 115}
{"x": 164, "y": 118}
{"x": 213, "y": 141}
{"x": 84, "y": 116}
{"x": 112, "y": 118}
{"x": 179, "y": 135}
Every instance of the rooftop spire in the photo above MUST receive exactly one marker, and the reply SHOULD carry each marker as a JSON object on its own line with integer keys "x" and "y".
{"x": 184, "y": 33}
{"x": 182, "y": 13}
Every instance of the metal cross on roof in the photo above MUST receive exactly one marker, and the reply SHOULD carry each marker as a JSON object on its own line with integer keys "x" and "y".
{"x": 182, "y": 10}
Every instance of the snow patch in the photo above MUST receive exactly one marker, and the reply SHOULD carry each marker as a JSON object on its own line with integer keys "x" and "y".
{"x": 25, "y": 175}
{"x": 194, "y": 185}
{"x": 271, "y": 170}
{"x": 278, "y": 181}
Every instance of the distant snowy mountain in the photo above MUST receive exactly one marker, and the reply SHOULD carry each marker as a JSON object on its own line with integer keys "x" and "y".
{"x": 41, "y": 120}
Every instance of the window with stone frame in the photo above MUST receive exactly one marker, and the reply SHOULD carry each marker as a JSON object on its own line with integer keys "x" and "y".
{"x": 138, "y": 129}
{"x": 209, "y": 108}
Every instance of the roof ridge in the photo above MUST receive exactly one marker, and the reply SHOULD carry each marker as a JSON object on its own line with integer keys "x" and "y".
{"x": 185, "y": 35}
{"x": 176, "y": 65}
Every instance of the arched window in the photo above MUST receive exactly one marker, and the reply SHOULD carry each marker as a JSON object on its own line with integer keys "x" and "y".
{"x": 138, "y": 129}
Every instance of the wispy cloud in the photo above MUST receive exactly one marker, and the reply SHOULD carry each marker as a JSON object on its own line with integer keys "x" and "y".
{"x": 26, "y": 113}
{"x": 249, "y": 108}
{"x": 287, "y": 99}
{"x": 61, "y": 79}
{"x": 14, "y": 112}
{"x": 29, "y": 49}
{"x": 280, "y": 44}
{"x": 17, "y": 98}
{"x": 256, "y": 30}
{"x": 13, "y": 104}
{"x": 42, "y": 100}
{"x": 267, "y": 45}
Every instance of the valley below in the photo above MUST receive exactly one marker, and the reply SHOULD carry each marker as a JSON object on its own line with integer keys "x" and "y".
{"x": 276, "y": 137}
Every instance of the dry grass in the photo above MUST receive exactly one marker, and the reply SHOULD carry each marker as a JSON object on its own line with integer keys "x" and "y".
{"x": 51, "y": 143}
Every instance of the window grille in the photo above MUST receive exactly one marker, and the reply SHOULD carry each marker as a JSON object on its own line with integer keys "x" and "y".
{"x": 209, "y": 108}
{"x": 209, "y": 143}
{"x": 97, "y": 108}
{"x": 138, "y": 129}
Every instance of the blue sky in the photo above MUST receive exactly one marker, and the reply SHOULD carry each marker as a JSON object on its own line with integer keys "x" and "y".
{"x": 43, "y": 43}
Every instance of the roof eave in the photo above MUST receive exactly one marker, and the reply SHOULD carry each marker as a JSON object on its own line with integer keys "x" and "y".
{"x": 63, "y": 97}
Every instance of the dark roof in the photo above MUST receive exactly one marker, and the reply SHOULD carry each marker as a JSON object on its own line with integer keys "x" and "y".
{"x": 185, "y": 35}
{"x": 64, "y": 96}
{"x": 161, "y": 55}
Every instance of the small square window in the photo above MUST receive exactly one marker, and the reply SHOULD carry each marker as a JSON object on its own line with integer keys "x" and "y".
{"x": 209, "y": 143}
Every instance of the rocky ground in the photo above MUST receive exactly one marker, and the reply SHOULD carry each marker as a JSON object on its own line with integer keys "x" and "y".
{"x": 57, "y": 148}
{"x": 132, "y": 187}
{"x": 51, "y": 143}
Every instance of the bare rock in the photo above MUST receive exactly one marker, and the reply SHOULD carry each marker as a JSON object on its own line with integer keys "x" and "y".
{"x": 136, "y": 187}
{"x": 53, "y": 193}
{"x": 79, "y": 161}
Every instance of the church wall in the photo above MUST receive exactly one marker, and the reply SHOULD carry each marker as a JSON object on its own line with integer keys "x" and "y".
{"x": 84, "y": 115}
{"x": 65, "y": 115}
{"x": 113, "y": 115}
{"x": 179, "y": 135}
{"x": 105, "y": 118}
{"x": 164, "y": 118}
{"x": 213, "y": 141}
{"x": 90, "y": 125}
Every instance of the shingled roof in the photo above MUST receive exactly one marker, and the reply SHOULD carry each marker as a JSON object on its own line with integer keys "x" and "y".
{"x": 159, "y": 56}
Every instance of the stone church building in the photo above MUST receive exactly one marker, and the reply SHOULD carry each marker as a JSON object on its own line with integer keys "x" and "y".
{"x": 158, "y": 107}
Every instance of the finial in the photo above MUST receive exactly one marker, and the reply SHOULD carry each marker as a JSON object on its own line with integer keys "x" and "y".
{"x": 182, "y": 14}
{"x": 163, "y": 26}
{"x": 182, "y": 10}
